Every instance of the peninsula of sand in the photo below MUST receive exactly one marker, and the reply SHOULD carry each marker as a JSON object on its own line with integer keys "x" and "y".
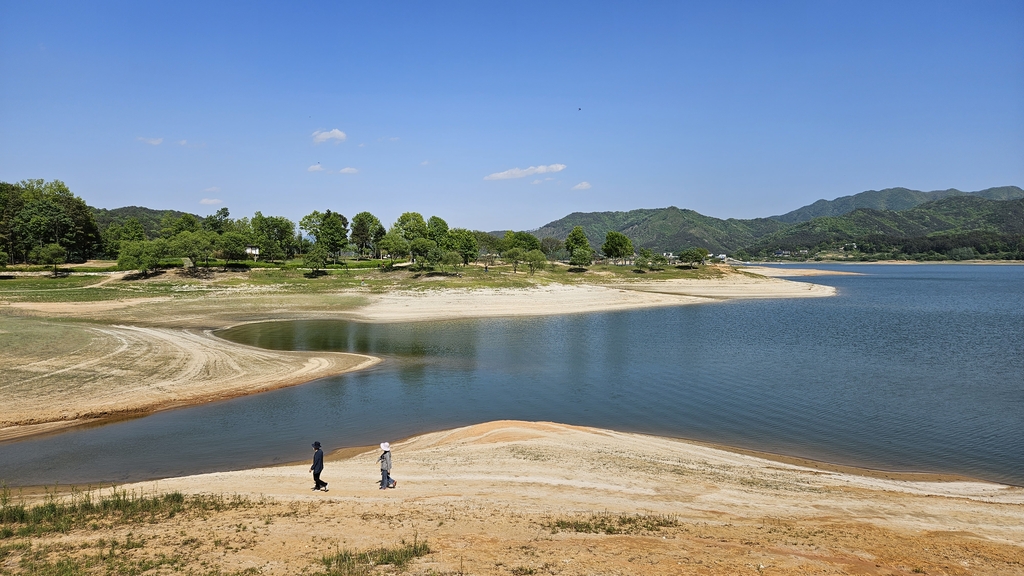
{"x": 68, "y": 363}
{"x": 502, "y": 498}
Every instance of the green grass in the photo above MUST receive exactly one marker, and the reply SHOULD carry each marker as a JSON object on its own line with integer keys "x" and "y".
{"x": 118, "y": 507}
{"x": 351, "y": 563}
{"x": 612, "y": 524}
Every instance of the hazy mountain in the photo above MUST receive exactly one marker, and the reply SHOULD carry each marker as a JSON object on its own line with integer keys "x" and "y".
{"x": 895, "y": 199}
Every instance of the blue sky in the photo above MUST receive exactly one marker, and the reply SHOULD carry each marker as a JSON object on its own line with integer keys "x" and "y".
{"x": 509, "y": 115}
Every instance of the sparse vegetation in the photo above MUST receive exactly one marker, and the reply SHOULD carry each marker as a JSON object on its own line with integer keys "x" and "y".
{"x": 352, "y": 563}
{"x": 613, "y": 524}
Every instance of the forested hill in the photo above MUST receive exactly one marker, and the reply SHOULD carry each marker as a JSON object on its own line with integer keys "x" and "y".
{"x": 148, "y": 217}
{"x": 672, "y": 229}
{"x": 895, "y": 199}
{"x": 949, "y": 216}
{"x": 665, "y": 229}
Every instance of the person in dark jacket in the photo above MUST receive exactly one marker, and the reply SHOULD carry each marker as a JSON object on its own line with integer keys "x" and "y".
{"x": 317, "y": 468}
{"x": 386, "y": 481}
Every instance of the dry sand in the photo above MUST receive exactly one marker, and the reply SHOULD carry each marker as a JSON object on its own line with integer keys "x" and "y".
{"x": 126, "y": 370}
{"x": 488, "y": 499}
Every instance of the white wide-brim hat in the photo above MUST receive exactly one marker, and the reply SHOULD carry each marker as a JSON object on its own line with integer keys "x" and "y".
{"x": 385, "y": 446}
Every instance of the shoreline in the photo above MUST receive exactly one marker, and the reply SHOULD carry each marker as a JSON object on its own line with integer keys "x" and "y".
{"x": 174, "y": 387}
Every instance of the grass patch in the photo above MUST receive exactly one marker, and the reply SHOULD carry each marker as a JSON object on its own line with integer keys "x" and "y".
{"x": 613, "y": 524}
{"x": 118, "y": 507}
{"x": 351, "y": 563}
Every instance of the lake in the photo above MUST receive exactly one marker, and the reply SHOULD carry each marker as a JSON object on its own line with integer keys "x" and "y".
{"x": 908, "y": 368}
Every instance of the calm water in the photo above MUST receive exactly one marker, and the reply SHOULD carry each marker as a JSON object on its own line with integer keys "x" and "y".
{"x": 908, "y": 368}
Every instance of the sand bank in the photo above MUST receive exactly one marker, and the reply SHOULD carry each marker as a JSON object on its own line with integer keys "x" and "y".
{"x": 489, "y": 498}
{"x": 127, "y": 370}
{"x": 551, "y": 299}
{"x": 153, "y": 357}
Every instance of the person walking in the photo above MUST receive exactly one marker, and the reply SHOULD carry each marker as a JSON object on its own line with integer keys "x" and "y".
{"x": 317, "y": 468}
{"x": 386, "y": 481}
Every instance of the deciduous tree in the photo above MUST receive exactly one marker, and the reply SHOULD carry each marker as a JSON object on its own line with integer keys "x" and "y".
{"x": 617, "y": 245}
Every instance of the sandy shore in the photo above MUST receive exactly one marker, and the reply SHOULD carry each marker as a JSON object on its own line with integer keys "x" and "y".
{"x": 141, "y": 355}
{"x": 127, "y": 370}
{"x": 517, "y": 498}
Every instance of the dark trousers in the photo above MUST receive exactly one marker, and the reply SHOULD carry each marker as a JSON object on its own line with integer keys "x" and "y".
{"x": 319, "y": 483}
{"x": 385, "y": 479}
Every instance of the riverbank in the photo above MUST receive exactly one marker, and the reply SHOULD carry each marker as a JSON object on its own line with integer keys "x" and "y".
{"x": 513, "y": 497}
{"x": 72, "y": 362}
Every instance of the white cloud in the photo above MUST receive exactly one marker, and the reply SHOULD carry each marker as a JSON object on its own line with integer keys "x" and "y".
{"x": 522, "y": 173}
{"x": 321, "y": 136}
{"x": 211, "y": 201}
{"x": 581, "y": 186}
{"x": 425, "y": 162}
{"x": 348, "y": 170}
{"x": 362, "y": 145}
{"x": 315, "y": 168}
{"x": 183, "y": 142}
{"x": 153, "y": 141}
{"x": 212, "y": 189}
{"x": 537, "y": 181}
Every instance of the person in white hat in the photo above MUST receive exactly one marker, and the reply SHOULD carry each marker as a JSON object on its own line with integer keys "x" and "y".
{"x": 386, "y": 481}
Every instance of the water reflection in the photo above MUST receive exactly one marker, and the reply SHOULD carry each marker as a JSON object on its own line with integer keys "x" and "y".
{"x": 900, "y": 371}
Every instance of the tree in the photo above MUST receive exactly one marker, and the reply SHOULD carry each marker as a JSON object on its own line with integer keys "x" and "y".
{"x": 451, "y": 259}
{"x": 523, "y": 240}
{"x": 549, "y": 245}
{"x": 218, "y": 221}
{"x": 411, "y": 226}
{"x": 330, "y": 229}
{"x": 195, "y": 246}
{"x": 142, "y": 256}
{"x": 437, "y": 230}
{"x": 364, "y": 231}
{"x": 232, "y": 246}
{"x": 536, "y": 260}
{"x": 643, "y": 259}
{"x": 420, "y": 247}
{"x": 617, "y": 246}
{"x": 50, "y": 254}
{"x": 489, "y": 243}
{"x": 578, "y": 246}
{"x": 4, "y": 257}
{"x": 514, "y": 256}
{"x": 693, "y": 256}
{"x": 275, "y": 236}
{"x": 393, "y": 244}
{"x": 316, "y": 258}
{"x": 464, "y": 243}
{"x": 658, "y": 261}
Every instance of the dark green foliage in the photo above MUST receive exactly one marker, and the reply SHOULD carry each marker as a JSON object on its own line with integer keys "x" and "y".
{"x": 34, "y": 213}
{"x": 578, "y": 245}
{"x": 906, "y": 231}
{"x": 617, "y": 246}
{"x": 522, "y": 240}
{"x": 664, "y": 229}
{"x": 149, "y": 218}
{"x": 894, "y": 199}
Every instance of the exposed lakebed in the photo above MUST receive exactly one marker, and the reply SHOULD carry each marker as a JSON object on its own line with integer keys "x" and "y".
{"x": 910, "y": 368}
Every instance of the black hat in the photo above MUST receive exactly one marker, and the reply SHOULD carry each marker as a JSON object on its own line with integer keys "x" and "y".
{"x": 316, "y": 444}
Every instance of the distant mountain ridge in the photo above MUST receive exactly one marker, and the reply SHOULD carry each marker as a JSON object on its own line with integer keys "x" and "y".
{"x": 894, "y": 199}
{"x": 904, "y": 214}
